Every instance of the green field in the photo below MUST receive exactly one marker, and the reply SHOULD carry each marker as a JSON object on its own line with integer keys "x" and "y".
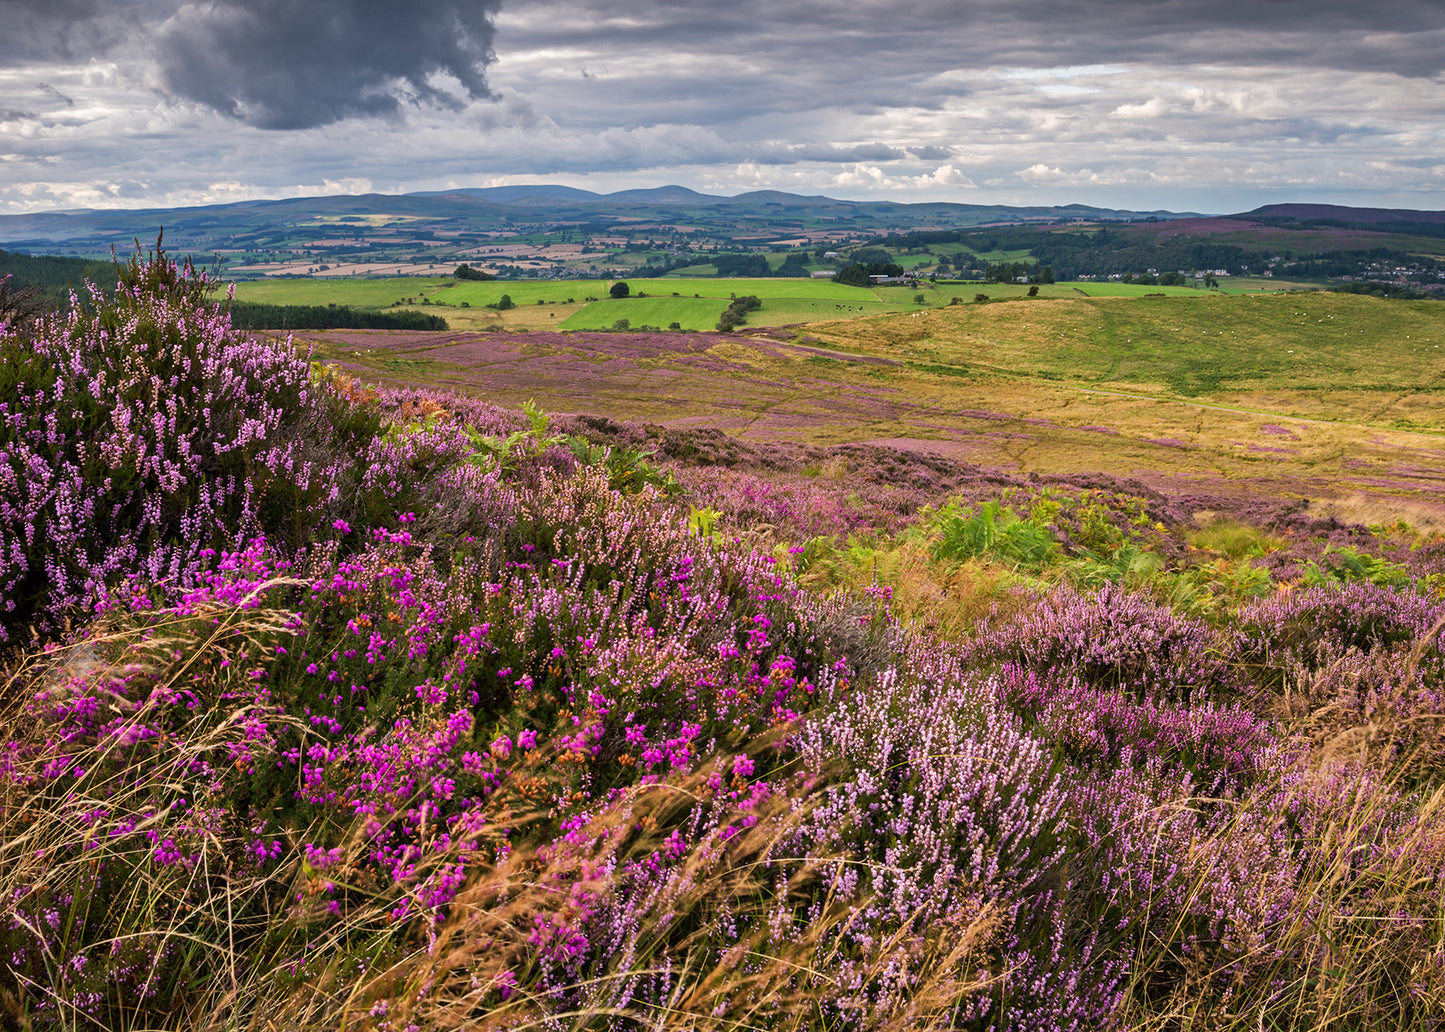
{"x": 694, "y": 304}
{"x": 358, "y": 293}
{"x": 384, "y": 292}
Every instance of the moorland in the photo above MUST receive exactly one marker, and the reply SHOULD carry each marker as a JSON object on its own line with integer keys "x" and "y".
{"x": 1061, "y": 661}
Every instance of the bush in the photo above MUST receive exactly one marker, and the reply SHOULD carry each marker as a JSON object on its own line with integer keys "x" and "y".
{"x": 134, "y": 437}
{"x": 737, "y": 311}
{"x": 1113, "y": 638}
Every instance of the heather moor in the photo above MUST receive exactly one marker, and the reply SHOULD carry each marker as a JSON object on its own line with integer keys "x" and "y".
{"x": 974, "y": 665}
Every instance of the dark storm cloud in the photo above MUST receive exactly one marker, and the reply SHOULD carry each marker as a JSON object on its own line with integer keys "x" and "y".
{"x": 33, "y": 30}
{"x": 294, "y": 64}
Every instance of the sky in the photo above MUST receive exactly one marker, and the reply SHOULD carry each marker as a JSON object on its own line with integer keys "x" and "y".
{"x": 1183, "y": 105}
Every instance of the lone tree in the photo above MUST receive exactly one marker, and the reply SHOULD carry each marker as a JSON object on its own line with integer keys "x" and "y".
{"x": 620, "y": 289}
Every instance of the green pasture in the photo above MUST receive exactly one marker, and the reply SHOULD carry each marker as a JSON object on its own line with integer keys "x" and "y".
{"x": 479, "y": 294}
{"x": 762, "y": 288}
{"x": 688, "y": 312}
{"x": 358, "y": 293}
{"x": 701, "y": 313}
{"x": 951, "y": 250}
{"x": 694, "y": 304}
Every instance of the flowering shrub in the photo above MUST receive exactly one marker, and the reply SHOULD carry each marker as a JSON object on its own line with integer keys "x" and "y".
{"x": 135, "y": 435}
{"x": 427, "y": 735}
{"x": 1112, "y": 638}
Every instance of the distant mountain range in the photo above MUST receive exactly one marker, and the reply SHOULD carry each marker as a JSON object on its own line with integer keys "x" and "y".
{"x": 243, "y": 225}
{"x": 548, "y": 231}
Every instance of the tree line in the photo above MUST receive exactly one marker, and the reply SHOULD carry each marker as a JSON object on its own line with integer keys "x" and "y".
{"x": 250, "y": 315}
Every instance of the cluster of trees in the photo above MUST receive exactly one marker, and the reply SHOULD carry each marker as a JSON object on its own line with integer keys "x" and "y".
{"x": 1014, "y": 272}
{"x": 859, "y": 274}
{"x": 793, "y": 266}
{"x": 466, "y": 272}
{"x": 752, "y": 265}
{"x": 737, "y": 311}
{"x": 1388, "y": 290}
{"x": 1163, "y": 279}
{"x": 53, "y": 276}
{"x": 1102, "y": 252}
{"x": 749, "y": 265}
{"x": 249, "y": 315}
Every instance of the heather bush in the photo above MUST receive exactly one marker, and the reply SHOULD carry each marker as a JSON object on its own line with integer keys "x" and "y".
{"x": 1312, "y": 627}
{"x": 1111, "y": 638}
{"x": 138, "y": 432}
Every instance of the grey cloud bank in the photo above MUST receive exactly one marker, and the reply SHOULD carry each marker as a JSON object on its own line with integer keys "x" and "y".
{"x": 1164, "y": 104}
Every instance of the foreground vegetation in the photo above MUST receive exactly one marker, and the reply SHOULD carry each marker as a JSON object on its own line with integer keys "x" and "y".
{"x": 339, "y": 707}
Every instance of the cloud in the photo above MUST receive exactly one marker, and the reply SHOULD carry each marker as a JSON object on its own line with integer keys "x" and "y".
{"x": 945, "y": 175}
{"x": 787, "y": 154}
{"x": 1154, "y": 107}
{"x": 295, "y": 64}
{"x": 183, "y": 101}
{"x": 873, "y": 178}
